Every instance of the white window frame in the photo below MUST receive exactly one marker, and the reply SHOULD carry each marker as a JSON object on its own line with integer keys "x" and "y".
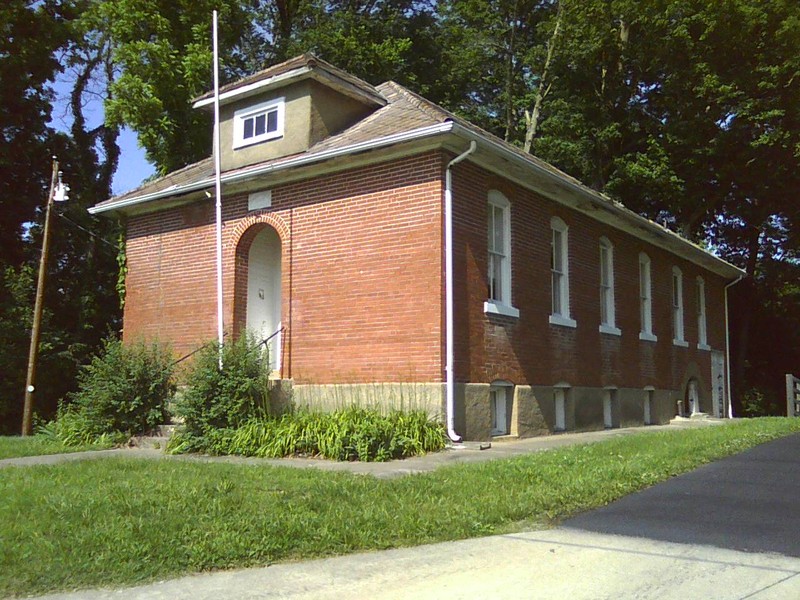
{"x": 499, "y": 300}
{"x": 702, "y": 323}
{"x": 559, "y": 277}
{"x": 646, "y": 299}
{"x": 240, "y": 116}
{"x": 678, "y": 337}
{"x": 607, "y": 303}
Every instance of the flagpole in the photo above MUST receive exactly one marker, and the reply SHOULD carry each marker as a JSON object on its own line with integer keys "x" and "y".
{"x": 218, "y": 194}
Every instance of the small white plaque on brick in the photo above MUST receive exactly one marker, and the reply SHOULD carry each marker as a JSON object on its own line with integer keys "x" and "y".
{"x": 259, "y": 200}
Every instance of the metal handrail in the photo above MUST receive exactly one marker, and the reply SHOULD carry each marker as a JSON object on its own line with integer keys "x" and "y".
{"x": 195, "y": 351}
{"x": 263, "y": 342}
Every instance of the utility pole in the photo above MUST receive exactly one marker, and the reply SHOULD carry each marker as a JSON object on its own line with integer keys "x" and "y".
{"x": 58, "y": 191}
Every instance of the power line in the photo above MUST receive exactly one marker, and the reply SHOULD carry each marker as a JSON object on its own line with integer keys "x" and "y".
{"x": 89, "y": 232}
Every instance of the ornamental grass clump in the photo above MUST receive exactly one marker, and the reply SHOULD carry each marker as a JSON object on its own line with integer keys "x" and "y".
{"x": 347, "y": 435}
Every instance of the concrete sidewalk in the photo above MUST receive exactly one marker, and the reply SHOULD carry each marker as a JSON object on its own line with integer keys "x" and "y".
{"x": 558, "y": 563}
{"x": 467, "y": 453}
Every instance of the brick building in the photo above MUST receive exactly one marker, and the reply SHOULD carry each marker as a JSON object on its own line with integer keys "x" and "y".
{"x": 395, "y": 253}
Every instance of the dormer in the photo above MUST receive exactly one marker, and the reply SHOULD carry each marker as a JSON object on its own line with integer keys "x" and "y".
{"x": 286, "y": 109}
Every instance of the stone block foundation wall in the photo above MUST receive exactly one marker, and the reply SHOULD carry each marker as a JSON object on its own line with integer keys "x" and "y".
{"x": 532, "y": 410}
{"x": 382, "y": 396}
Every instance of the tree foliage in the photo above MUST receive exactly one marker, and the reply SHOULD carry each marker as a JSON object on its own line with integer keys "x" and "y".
{"x": 30, "y": 37}
{"x": 688, "y": 112}
{"x": 81, "y": 303}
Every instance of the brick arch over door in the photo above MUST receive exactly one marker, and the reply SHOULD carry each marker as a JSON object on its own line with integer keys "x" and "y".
{"x": 242, "y": 236}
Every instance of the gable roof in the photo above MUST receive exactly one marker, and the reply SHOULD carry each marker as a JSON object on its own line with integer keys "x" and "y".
{"x": 407, "y": 118}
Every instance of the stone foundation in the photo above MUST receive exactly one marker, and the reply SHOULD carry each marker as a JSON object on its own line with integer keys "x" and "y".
{"x": 532, "y": 408}
{"x": 429, "y": 397}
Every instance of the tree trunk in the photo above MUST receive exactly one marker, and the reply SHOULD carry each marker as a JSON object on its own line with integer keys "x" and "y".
{"x": 744, "y": 315}
{"x": 510, "y": 74}
{"x": 532, "y": 117}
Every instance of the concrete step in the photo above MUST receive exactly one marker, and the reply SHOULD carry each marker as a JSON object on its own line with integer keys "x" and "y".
{"x": 167, "y": 430}
{"x": 157, "y": 440}
{"x": 696, "y": 420}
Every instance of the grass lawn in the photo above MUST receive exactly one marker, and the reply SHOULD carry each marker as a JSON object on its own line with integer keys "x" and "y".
{"x": 118, "y": 521}
{"x": 35, "y": 445}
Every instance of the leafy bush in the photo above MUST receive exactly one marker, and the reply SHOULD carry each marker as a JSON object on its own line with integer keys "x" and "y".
{"x": 224, "y": 398}
{"x": 123, "y": 391}
{"x": 126, "y": 388}
{"x": 758, "y": 402}
{"x": 349, "y": 434}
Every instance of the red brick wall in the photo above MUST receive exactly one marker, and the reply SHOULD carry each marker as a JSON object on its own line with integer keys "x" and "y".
{"x": 529, "y": 349}
{"x": 362, "y": 284}
{"x": 361, "y": 273}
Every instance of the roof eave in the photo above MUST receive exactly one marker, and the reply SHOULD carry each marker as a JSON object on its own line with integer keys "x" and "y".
{"x": 676, "y": 244}
{"x": 654, "y": 233}
{"x": 284, "y": 79}
{"x": 258, "y": 170}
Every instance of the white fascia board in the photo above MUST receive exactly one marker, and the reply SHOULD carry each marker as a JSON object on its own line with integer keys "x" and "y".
{"x": 255, "y": 86}
{"x": 245, "y": 174}
{"x": 685, "y": 247}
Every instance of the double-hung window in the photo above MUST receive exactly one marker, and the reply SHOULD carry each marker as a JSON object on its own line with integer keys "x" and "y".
{"x": 258, "y": 123}
{"x": 607, "y": 308}
{"x": 499, "y": 256}
{"x": 645, "y": 300}
{"x": 702, "y": 334}
{"x": 559, "y": 274}
{"x": 677, "y": 308}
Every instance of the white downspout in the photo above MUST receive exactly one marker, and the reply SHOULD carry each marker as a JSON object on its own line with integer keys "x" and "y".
{"x": 449, "y": 308}
{"x": 728, "y": 347}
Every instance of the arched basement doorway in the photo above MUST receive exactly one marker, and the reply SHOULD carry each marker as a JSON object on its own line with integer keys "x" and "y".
{"x": 693, "y": 397}
{"x": 264, "y": 291}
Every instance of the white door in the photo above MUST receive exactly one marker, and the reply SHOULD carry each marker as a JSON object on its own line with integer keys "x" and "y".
{"x": 264, "y": 291}
{"x": 694, "y": 398}
{"x": 498, "y": 404}
{"x": 718, "y": 383}
{"x": 648, "y": 406}
{"x": 608, "y": 420}
{"x": 559, "y": 396}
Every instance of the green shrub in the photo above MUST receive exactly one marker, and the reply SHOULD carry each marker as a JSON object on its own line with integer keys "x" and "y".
{"x": 348, "y": 434}
{"x": 126, "y": 388}
{"x": 224, "y": 398}
{"x": 123, "y": 391}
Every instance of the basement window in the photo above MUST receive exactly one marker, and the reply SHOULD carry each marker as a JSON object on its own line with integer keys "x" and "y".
{"x": 258, "y": 123}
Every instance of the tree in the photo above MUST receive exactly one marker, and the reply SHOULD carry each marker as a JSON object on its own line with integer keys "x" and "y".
{"x": 162, "y": 59}
{"x": 688, "y": 112}
{"x": 31, "y": 33}
{"x": 496, "y": 54}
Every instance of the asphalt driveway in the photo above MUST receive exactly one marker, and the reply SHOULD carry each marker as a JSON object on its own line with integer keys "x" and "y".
{"x": 748, "y": 502}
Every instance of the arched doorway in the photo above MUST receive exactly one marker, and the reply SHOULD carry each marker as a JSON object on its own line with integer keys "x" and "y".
{"x": 693, "y": 397}
{"x": 264, "y": 291}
